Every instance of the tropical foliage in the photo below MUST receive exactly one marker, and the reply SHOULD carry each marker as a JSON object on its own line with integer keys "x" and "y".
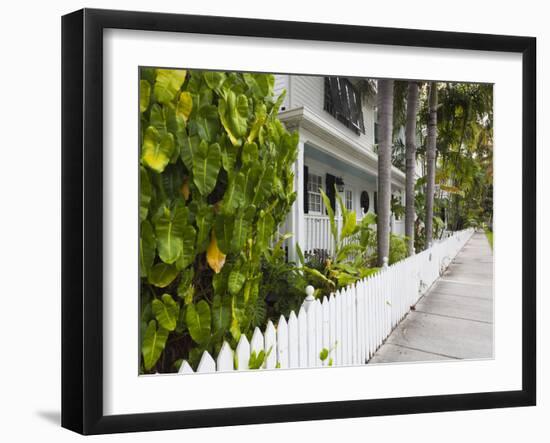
{"x": 462, "y": 163}
{"x": 216, "y": 180}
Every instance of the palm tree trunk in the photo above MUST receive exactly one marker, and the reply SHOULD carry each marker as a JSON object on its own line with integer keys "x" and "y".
{"x": 410, "y": 163}
{"x": 430, "y": 155}
{"x": 385, "y": 120}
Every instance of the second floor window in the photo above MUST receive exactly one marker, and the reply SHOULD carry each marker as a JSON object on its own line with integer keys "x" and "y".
{"x": 343, "y": 101}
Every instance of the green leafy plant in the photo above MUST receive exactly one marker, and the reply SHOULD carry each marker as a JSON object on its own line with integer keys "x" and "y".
{"x": 348, "y": 264}
{"x": 398, "y": 248}
{"x": 282, "y": 284}
{"x": 216, "y": 181}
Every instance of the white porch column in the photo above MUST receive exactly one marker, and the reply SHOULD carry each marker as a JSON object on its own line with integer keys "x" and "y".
{"x": 297, "y": 220}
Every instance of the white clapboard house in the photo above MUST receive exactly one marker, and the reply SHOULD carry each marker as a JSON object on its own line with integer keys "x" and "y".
{"x": 337, "y": 128}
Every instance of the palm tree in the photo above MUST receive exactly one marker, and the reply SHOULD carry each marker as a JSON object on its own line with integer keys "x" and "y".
{"x": 430, "y": 159}
{"x": 385, "y": 120}
{"x": 410, "y": 163}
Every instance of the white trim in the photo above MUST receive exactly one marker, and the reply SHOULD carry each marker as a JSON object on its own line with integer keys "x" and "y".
{"x": 332, "y": 140}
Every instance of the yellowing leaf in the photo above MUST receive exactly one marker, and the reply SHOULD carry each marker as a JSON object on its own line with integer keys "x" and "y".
{"x": 144, "y": 95}
{"x": 185, "y": 188}
{"x": 168, "y": 83}
{"x": 185, "y": 106}
{"x": 215, "y": 257}
{"x": 157, "y": 149}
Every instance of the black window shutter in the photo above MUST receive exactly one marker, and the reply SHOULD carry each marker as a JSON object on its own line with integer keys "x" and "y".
{"x": 330, "y": 190}
{"x": 306, "y": 195}
{"x": 365, "y": 201}
{"x": 376, "y": 202}
{"x": 335, "y": 96}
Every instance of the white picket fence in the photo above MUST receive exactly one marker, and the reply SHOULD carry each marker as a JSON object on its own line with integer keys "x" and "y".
{"x": 350, "y": 324}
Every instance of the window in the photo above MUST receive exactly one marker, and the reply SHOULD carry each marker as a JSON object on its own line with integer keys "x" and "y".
{"x": 343, "y": 102}
{"x": 349, "y": 199}
{"x": 314, "y": 184}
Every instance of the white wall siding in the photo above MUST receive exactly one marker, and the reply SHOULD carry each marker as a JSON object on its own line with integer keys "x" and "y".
{"x": 368, "y": 117}
{"x": 282, "y": 82}
{"x": 308, "y": 91}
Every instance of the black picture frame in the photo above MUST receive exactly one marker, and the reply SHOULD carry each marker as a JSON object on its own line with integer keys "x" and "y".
{"x": 82, "y": 218}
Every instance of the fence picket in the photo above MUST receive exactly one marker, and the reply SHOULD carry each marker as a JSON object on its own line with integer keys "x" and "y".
{"x": 370, "y": 308}
{"x": 355, "y": 335}
{"x": 318, "y": 331}
{"x": 243, "y": 353}
{"x": 360, "y": 323}
{"x": 207, "y": 363}
{"x": 326, "y": 329}
{"x": 311, "y": 336}
{"x": 185, "y": 368}
{"x": 332, "y": 328}
{"x": 339, "y": 319}
{"x": 282, "y": 343}
{"x": 257, "y": 342}
{"x": 293, "y": 341}
{"x": 224, "y": 362}
{"x": 270, "y": 346}
{"x": 302, "y": 338}
{"x": 349, "y": 326}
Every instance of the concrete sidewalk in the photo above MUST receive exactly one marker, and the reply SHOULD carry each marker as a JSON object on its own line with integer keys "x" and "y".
{"x": 454, "y": 320}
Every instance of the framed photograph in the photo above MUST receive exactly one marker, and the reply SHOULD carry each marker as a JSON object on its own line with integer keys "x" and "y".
{"x": 270, "y": 221}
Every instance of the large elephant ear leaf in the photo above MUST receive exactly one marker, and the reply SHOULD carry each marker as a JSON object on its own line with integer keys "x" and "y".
{"x": 198, "y": 321}
{"x": 166, "y": 312}
{"x": 265, "y": 228}
{"x": 207, "y": 123}
{"x": 261, "y": 116}
{"x": 147, "y": 248}
{"x": 249, "y": 153}
{"x": 157, "y": 149}
{"x": 168, "y": 83}
{"x": 264, "y": 187}
{"x": 144, "y": 95}
{"x": 229, "y": 159}
{"x": 221, "y": 314}
{"x": 188, "y": 251}
{"x": 235, "y": 281}
{"x": 234, "y": 194}
{"x": 144, "y": 193}
{"x": 261, "y": 85}
{"x": 233, "y": 112}
{"x": 185, "y": 106}
{"x": 241, "y": 230}
{"x": 169, "y": 228}
{"x": 206, "y": 166}
{"x": 189, "y": 148}
{"x": 204, "y": 219}
{"x": 153, "y": 344}
{"x": 223, "y": 227}
{"x": 161, "y": 275}
{"x": 214, "y": 79}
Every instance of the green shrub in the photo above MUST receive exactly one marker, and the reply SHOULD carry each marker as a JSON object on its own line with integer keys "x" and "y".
{"x": 282, "y": 285}
{"x": 398, "y": 248}
{"x": 216, "y": 179}
{"x": 349, "y": 263}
